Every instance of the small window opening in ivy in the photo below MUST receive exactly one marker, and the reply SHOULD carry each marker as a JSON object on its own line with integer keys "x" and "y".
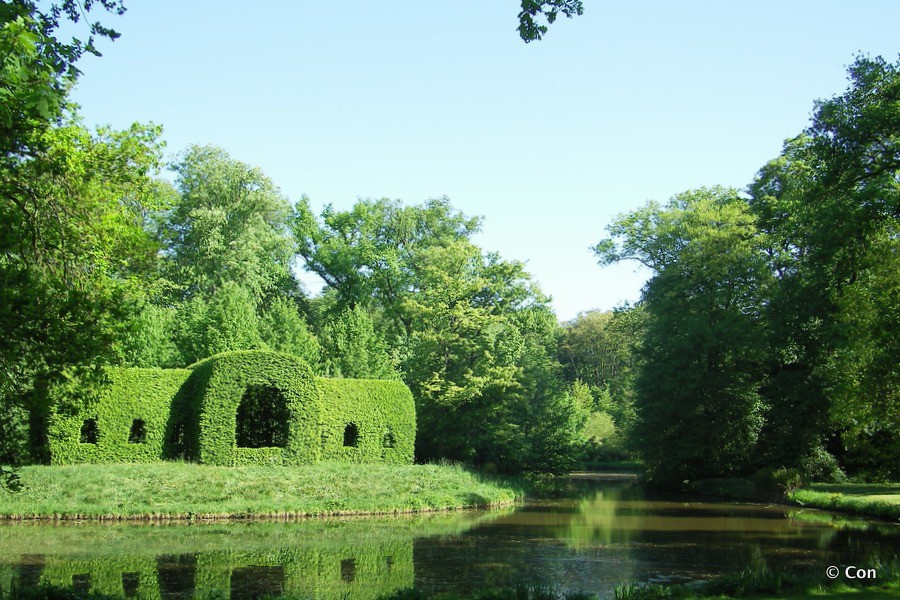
{"x": 262, "y": 418}
{"x": 388, "y": 440}
{"x": 89, "y": 431}
{"x": 351, "y": 435}
{"x": 138, "y": 433}
{"x": 348, "y": 569}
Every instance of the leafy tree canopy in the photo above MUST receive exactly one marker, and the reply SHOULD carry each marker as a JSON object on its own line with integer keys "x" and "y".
{"x": 533, "y": 12}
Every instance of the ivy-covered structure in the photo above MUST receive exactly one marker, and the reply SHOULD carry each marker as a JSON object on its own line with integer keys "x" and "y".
{"x": 236, "y": 408}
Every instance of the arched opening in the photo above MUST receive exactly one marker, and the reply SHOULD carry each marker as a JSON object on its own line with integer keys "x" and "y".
{"x": 262, "y": 418}
{"x": 351, "y": 435}
{"x": 89, "y": 431}
{"x": 138, "y": 434}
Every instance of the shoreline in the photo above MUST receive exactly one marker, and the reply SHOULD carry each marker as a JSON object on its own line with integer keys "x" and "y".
{"x": 285, "y": 516}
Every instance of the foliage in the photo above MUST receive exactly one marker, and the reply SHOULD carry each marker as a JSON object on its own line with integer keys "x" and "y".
{"x": 244, "y": 408}
{"x": 471, "y": 332}
{"x": 129, "y": 395}
{"x": 37, "y": 69}
{"x": 698, "y": 405}
{"x": 770, "y": 319}
{"x": 220, "y": 383}
{"x": 352, "y": 348}
{"x": 531, "y": 29}
{"x": 779, "y": 481}
{"x": 224, "y": 279}
{"x": 283, "y": 329}
{"x": 149, "y": 340}
{"x": 374, "y": 252}
{"x": 599, "y": 350}
{"x": 223, "y": 322}
{"x": 382, "y": 413}
{"x": 73, "y": 253}
{"x": 828, "y": 206}
{"x": 230, "y": 225}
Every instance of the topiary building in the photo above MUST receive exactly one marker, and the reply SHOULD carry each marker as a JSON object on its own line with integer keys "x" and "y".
{"x": 236, "y": 408}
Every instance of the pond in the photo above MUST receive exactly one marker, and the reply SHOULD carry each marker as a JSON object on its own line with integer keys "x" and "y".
{"x": 588, "y": 536}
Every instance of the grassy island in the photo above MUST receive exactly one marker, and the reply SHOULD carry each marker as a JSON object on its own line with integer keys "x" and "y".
{"x": 190, "y": 491}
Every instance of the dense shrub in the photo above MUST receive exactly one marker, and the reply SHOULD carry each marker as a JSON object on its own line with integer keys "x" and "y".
{"x": 367, "y": 420}
{"x": 103, "y": 430}
{"x": 223, "y": 380}
{"x": 236, "y": 408}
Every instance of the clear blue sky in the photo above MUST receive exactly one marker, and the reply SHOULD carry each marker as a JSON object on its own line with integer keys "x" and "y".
{"x": 634, "y": 100}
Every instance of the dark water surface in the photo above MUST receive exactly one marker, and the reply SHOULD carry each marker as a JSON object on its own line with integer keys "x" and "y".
{"x": 586, "y": 536}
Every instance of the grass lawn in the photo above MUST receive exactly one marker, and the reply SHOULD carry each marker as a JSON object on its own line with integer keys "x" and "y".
{"x": 881, "y": 492}
{"x": 874, "y": 500}
{"x": 181, "y": 490}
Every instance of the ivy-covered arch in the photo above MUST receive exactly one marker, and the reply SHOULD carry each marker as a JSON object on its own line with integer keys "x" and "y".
{"x": 225, "y": 380}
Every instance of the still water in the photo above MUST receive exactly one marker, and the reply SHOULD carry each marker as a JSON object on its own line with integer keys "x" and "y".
{"x": 585, "y": 536}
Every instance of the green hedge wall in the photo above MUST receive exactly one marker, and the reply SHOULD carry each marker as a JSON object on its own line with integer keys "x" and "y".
{"x": 222, "y": 381}
{"x": 195, "y": 414}
{"x": 382, "y": 411}
{"x": 144, "y": 394}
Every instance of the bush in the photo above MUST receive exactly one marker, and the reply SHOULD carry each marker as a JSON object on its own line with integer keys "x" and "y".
{"x": 236, "y": 408}
{"x": 779, "y": 482}
{"x": 367, "y": 420}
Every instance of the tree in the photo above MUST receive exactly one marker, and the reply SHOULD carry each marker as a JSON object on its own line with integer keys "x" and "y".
{"x": 352, "y": 348}
{"x": 829, "y": 206}
{"x": 599, "y": 350}
{"x": 474, "y": 338}
{"x": 698, "y": 402}
{"x": 224, "y": 279}
{"x": 73, "y": 253}
{"x": 373, "y": 253}
{"x": 37, "y": 69}
{"x": 230, "y": 224}
{"x": 531, "y": 29}
{"x": 283, "y": 329}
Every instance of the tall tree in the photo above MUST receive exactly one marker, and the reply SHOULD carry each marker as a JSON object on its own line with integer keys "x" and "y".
{"x": 374, "y": 252}
{"x": 698, "y": 402}
{"x": 230, "y": 224}
{"x": 463, "y": 324}
{"x": 73, "y": 253}
{"x": 829, "y": 206}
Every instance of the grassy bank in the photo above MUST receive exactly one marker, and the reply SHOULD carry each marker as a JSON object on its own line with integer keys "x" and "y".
{"x": 874, "y": 500}
{"x": 179, "y": 490}
{"x": 880, "y": 501}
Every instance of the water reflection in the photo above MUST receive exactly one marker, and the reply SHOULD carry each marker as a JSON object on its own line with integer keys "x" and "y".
{"x": 334, "y": 558}
{"x": 607, "y": 534}
{"x": 580, "y": 537}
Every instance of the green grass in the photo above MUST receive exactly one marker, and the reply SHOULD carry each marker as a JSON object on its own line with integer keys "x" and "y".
{"x": 881, "y": 501}
{"x": 180, "y": 490}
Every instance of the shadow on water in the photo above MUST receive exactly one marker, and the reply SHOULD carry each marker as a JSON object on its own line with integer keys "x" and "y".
{"x": 578, "y": 535}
